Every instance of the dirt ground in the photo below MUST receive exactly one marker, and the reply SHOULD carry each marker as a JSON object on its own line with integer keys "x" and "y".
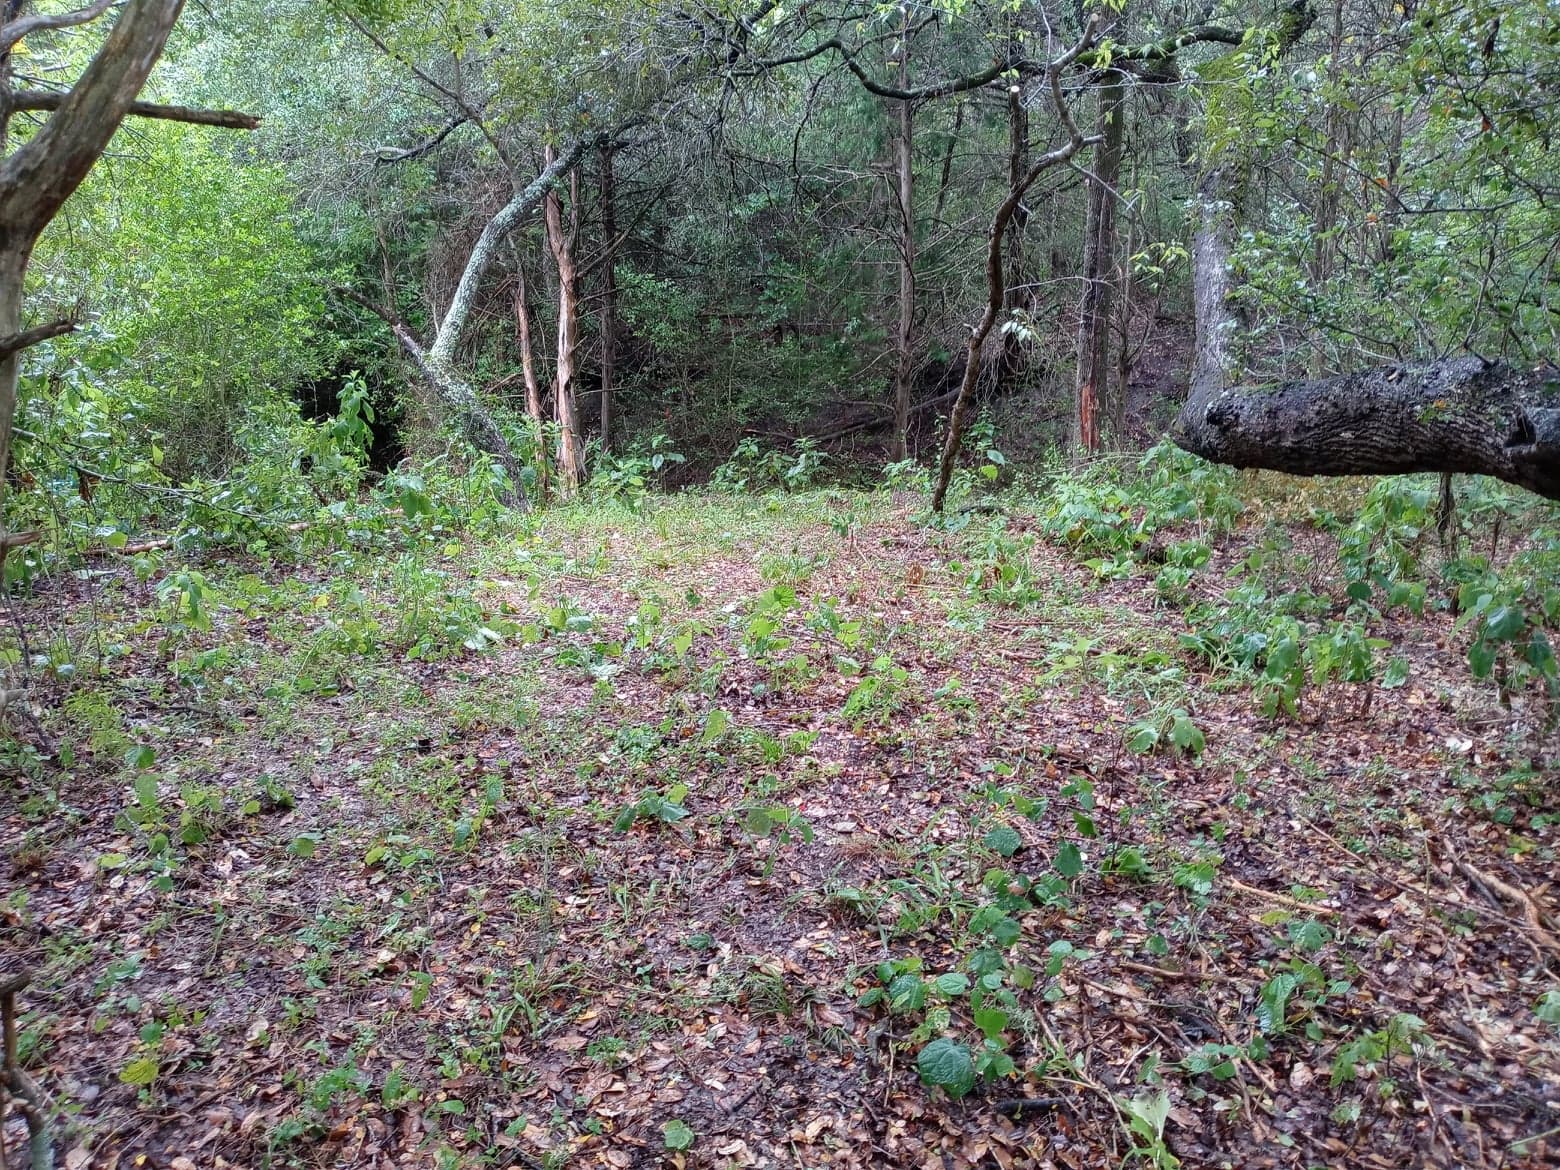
{"x": 638, "y": 884}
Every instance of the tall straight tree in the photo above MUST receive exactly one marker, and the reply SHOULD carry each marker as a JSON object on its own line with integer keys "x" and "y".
{"x": 571, "y": 447}
{"x": 1101, "y": 407}
{"x": 609, "y": 329}
{"x": 904, "y": 169}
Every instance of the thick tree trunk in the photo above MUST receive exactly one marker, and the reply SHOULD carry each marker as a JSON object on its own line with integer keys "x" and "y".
{"x": 608, "y": 298}
{"x": 571, "y": 451}
{"x": 1457, "y": 415}
{"x": 1216, "y": 318}
{"x": 1099, "y": 409}
{"x": 40, "y": 175}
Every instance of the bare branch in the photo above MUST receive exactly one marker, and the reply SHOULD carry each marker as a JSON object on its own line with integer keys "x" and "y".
{"x": 36, "y": 180}
{"x": 384, "y": 155}
{"x": 31, "y": 337}
{"x": 454, "y": 96}
{"x": 13, "y": 33}
{"x": 33, "y": 99}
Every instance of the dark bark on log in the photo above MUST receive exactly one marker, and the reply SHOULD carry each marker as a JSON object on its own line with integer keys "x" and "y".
{"x": 1456, "y": 415}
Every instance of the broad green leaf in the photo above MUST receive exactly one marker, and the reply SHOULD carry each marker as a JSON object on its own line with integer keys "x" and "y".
{"x": 141, "y": 1071}
{"x": 1069, "y": 860}
{"x": 947, "y": 1065}
{"x": 677, "y": 1135}
{"x": 1004, "y": 840}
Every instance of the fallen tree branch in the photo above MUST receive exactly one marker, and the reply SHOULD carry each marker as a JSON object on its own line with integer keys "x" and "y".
{"x": 1532, "y": 913}
{"x": 1460, "y": 414}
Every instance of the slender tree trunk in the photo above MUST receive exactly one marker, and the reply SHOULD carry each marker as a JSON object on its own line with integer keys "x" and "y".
{"x": 1329, "y": 195}
{"x": 904, "y": 158}
{"x": 609, "y": 336}
{"x": 1100, "y": 408}
{"x": 13, "y": 271}
{"x": 1016, "y": 296}
{"x": 947, "y": 162}
{"x": 995, "y": 284}
{"x": 533, "y": 388}
{"x": 571, "y": 453}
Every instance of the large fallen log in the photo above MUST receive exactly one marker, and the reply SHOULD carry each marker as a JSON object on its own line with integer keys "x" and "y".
{"x": 1460, "y": 414}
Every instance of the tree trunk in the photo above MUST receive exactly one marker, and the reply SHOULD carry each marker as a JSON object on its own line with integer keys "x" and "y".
{"x": 1100, "y": 413}
{"x": 13, "y": 271}
{"x": 1017, "y": 295}
{"x": 1217, "y": 321}
{"x": 904, "y": 158}
{"x": 1329, "y": 195}
{"x": 1456, "y": 415}
{"x": 533, "y": 388}
{"x": 608, "y": 298}
{"x": 40, "y": 175}
{"x": 996, "y": 285}
{"x": 571, "y": 452}
{"x": 476, "y": 424}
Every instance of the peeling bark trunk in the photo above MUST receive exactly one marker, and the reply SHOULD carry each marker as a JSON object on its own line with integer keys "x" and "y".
{"x": 571, "y": 452}
{"x": 1099, "y": 409}
{"x": 437, "y": 364}
{"x": 1457, "y": 415}
{"x": 533, "y": 387}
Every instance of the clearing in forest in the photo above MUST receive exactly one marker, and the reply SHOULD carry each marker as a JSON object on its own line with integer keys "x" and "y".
{"x": 786, "y": 831}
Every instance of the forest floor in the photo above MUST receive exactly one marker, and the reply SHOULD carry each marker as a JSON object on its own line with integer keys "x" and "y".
{"x": 750, "y": 814}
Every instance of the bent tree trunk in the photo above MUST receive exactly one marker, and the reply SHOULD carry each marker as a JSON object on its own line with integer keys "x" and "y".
{"x": 1456, "y": 415}
{"x": 437, "y": 360}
